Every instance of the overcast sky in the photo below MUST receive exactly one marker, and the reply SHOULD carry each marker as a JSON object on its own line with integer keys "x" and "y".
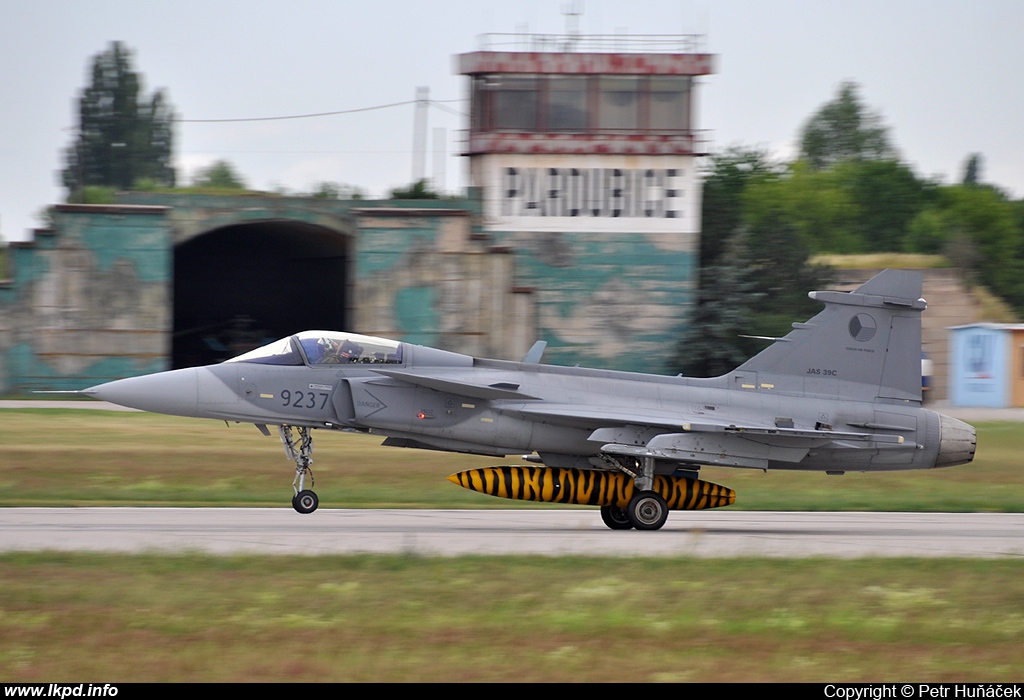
{"x": 946, "y": 76}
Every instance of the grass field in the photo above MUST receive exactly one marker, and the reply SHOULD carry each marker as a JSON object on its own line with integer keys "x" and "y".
{"x": 119, "y": 618}
{"x": 68, "y": 457}
{"x": 106, "y": 618}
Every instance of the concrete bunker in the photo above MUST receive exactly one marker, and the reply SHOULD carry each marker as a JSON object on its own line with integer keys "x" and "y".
{"x": 242, "y": 285}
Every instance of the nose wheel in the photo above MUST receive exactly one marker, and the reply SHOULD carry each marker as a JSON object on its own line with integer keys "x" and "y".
{"x": 304, "y": 501}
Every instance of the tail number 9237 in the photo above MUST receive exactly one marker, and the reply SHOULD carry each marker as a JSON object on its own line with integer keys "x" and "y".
{"x": 304, "y": 399}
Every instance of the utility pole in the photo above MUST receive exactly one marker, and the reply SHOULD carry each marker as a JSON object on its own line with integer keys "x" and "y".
{"x": 440, "y": 163}
{"x": 419, "y": 135}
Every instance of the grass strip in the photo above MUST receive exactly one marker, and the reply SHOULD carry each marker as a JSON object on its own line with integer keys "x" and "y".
{"x": 120, "y": 618}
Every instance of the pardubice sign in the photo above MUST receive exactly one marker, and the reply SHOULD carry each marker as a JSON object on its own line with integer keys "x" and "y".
{"x": 646, "y": 193}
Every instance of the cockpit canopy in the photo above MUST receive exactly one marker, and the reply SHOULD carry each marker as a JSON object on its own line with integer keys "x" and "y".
{"x": 318, "y": 348}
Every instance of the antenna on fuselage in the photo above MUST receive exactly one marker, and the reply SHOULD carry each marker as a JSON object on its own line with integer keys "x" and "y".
{"x": 535, "y": 353}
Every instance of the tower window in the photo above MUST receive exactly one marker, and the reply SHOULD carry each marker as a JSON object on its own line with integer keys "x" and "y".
{"x": 618, "y": 104}
{"x": 670, "y": 103}
{"x": 581, "y": 104}
{"x": 567, "y": 104}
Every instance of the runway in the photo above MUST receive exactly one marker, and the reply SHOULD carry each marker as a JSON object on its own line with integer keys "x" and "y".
{"x": 493, "y": 532}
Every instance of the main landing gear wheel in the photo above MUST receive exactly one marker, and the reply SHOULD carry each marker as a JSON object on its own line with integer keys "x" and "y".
{"x": 616, "y": 518}
{"x": 647, "y": 510}
{"x": 305, "y": 502}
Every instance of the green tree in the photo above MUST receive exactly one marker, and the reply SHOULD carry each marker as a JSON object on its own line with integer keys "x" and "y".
{"x": 853, "y": 207}
{"x": 778, "y": 264}
{"x": 219, "y": 175}
{"x": 887, "y": 196}
{"x": 817, "y": 205}
{"x": 726, "y": 179}
{"x": 981, "y": 232}
{"x": 417, "y": 190}
{"x": 984, "y": 218}
{"x": 929, "y": 232}
{"x": 334, "y": 190}
{"x": 712, "y": 344}
{"x": 972, "y": 170}
{"x": 758, "y": 288}
{"x": 754, "y": 273}
{"x": 123, "y": 136}
{"x": 843, "y": 130}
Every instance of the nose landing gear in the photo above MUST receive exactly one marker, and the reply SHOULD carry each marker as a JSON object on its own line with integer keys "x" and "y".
{"x": 304, "y": 501}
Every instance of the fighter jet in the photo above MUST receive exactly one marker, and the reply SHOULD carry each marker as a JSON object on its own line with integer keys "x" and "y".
{"x": 841, "y": 392}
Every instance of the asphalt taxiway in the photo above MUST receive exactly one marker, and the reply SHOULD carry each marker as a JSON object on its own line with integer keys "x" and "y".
{"x": 492, "y": 532}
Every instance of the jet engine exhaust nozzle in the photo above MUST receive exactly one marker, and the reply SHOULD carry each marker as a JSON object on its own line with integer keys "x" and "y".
{"x": 957, "y": 442}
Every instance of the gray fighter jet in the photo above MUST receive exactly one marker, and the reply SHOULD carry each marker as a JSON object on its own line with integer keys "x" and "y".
{"x": 841, "y": 392}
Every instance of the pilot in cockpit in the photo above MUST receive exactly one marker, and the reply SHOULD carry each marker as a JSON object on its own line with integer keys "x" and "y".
{"x": 340, "y": 352}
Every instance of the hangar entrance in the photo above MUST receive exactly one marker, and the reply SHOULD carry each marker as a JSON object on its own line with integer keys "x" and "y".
{"x": 244, "y": 285}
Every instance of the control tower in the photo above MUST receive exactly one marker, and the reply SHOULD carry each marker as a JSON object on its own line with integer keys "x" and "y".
{"x": 585, "y": 150}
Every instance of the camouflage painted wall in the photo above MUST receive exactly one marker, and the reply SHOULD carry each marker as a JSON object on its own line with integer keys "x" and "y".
{"x": 615, "y": 300}
{"x": 192, "y": 215}
{"x": 91, "y": 299}
{"x": 426, "y": 277}
{"x": 88, "y": 300}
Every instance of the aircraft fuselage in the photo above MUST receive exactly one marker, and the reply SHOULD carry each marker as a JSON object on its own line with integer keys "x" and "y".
{"x": 358, "y": 397}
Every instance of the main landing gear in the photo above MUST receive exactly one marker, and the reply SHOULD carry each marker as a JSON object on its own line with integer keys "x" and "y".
{"x": 647, "y": 510}
{"x": 304, "y": 501}
{"x": 616, "y": 518}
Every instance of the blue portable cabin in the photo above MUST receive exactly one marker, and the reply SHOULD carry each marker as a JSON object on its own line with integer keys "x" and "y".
{"x": 987, "y": 365}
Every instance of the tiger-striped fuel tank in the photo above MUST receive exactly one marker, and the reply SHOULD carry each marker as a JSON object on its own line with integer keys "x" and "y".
{"x": 588, "y": 487}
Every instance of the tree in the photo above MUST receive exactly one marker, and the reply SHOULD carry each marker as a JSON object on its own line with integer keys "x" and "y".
{"x": 888, "y": 196}
{"x": 972, "y": 170}
{"x": 334, "y": 190}
{"x": 219, "y": 175}
{"x": 417, "y": 190}
{"x": 817, "y": 205}
{"x": 123, "y": 136}
{"x": 979, "y": 231}
{"x": 712, "y": 344}
{"x": 778, "y": 263}
{"x": 844, "y": 130}
{"x": 754, "y": 272}
{"x": 726, "y": 179}
{"x": 758, "y": 288}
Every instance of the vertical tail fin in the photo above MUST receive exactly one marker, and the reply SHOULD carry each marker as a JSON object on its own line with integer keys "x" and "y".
{"x": 865, "y": 344}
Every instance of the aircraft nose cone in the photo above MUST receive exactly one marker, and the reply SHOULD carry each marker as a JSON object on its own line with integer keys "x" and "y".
{"x": 175, "y": 392}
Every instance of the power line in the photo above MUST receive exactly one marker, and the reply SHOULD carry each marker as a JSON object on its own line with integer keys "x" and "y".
{"x": 294, "y": 116}
{"x": 435, "y": 103}
{"x": 220, "y": 153}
